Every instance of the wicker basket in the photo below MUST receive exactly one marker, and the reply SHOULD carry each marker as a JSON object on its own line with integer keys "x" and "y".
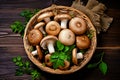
{"x": 56, "y": 10}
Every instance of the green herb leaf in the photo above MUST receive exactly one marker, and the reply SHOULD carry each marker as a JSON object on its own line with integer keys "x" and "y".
{"x": 66, "y": 48}
{"x": 35, "y": 74}
{"x": 93, "y": 65}
{"x": 103, "y": 67}
{"x": 60, "y": 46}
{"x": 18, "y": 27}
{"x": 57, "y": 59}
{"x": 24, "y": 68}
{"x": 27, "y": 14}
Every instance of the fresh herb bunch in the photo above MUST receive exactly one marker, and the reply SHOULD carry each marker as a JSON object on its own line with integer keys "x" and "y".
{"x": 24, "y": 67}
{"x": 61, "y": 53}
{"x": 18, "y": 26}
{"x": 101, "y": 64}
{"x": 27, "y": 14}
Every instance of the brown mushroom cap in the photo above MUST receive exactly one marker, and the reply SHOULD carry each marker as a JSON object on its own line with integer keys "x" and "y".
{"x": 60, "y": 17}
{"x": 44, "y": 15}
{"x": 82, "y": 42}
{"x": 34, "y": 37}
{"x": 47, "y": 60}
{"x": 39, "y": 25}
{"x": 66, "y": 66}
{"x": 48, "y": 42}
{"x": 63, "y": 18}
{"x": 67, "y": 37}
{"x": 39, "y": 52}
{"x": 52, "y": 28}
{"x": 74, "y": 56}
{"x": 78, "y": 25}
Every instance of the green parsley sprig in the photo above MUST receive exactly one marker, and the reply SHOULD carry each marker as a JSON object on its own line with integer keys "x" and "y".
{"x": 61, "y": 53}
{"x": 24, "y": 67}
{"x": 100, "y": 64}
{"x": 18, "y": 26}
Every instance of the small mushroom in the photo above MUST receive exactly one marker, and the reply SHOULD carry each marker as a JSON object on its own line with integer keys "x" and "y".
{"x": 47, "y": 60}
{"x": 40, "y": 26}
{"x": 48, "y": 43}
{"x": 76, "y": 56}
{"x": 78, "y": 25}
{"x": 82, "y": 42}
{"x": 63, "y": 18}
{"x": 67, "y": 37}
{"x": 66, "y": 66}
{"x": 52, "y": 28}
{"x": 37, "y": 52}
{"x": 45, "y": 16}
{"x": 34, "y": 37}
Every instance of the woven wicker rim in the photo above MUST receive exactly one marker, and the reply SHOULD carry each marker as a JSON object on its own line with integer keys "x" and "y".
{"x": 74, "y": 68}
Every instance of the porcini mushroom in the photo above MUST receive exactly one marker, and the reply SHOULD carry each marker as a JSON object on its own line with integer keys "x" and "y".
{"x": 40, "y": 26}
{"x": 67, "y": 37}
{"x": 66, "y": 65}
{"x": 82, "y": 42}
{"x": 34, "y": 37}
{"x": 48, "y": 43}
{"x": 45, "y": 16}
{"x": 37, "y": 52}
{"x": 52, "y": 28}
{"x": 47, "y": 60}
{"x": 78, "y": 25}
{"x": 63, "y": 18}
{"x": 76, "y": 56}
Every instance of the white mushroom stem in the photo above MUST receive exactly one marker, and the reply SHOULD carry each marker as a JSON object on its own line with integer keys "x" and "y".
{"x": 47, "y": 19}
{"x": 42, "y": 30}
{"x": 64, "y": 23}
{"x": 51, "y": 47}
{"x": 34, "y": 52}
{"x": 79, "y": 55}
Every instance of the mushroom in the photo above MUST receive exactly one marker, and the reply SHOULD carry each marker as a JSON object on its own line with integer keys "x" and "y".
{"x": 40, "y": 26}
{"x": 66, "y": 66}
{"x": 76, "y": 56}
{"x": 67, "y": 37}
{"x": 78, "y": 25}
{"x": 63, "y": 18}
{"x": 34, "y": 37}
{"x": 48, "y": 43}
{"x": 53, "y": 28}
{"x": 47, "y": 60}
{"x": 82, "y": 42}
{"x": 37, "y": 52}
{"x": 45, "y": 16}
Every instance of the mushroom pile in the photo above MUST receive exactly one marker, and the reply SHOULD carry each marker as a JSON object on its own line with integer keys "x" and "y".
{"x": 64, "y": 25}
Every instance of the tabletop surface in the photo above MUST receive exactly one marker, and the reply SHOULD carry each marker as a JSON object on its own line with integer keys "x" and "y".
{"x": 11, "y": 44}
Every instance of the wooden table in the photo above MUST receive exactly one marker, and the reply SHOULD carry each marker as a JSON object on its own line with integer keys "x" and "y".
{"x": 11, "y": 44}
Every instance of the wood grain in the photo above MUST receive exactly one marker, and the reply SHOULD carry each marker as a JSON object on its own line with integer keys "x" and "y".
{"x": 11, "y": 44}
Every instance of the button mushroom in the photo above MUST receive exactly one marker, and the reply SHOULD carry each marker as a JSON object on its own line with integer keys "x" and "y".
{"x": 78, "y": 25}
{"x": 45, "y": 16}
{"x": 47, "y": 60}
{"x": 52, "y": 28}
{"x": 82, "y": 42}
{"x": 66, "y": 66}
{"x": 34, "y": 37}
{"x": 76, "y": 56}
{"x": 40, "y": 26}
{"x": 37, "y": 52}
{"x": 67, "y": 37}
{"x": 48, "y": 43}
{"x": 63, "y": 18}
